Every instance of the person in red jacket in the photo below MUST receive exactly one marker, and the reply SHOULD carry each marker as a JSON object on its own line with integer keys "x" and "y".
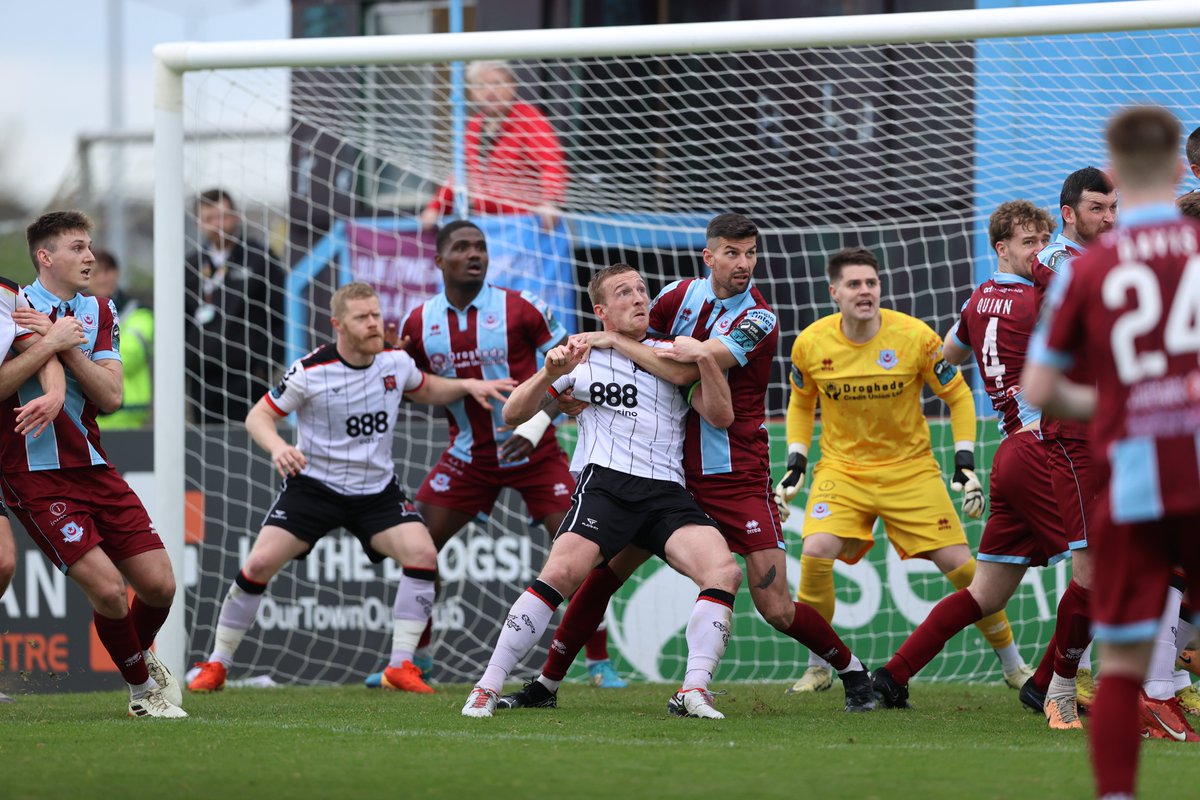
{"x": 514, "y": 162}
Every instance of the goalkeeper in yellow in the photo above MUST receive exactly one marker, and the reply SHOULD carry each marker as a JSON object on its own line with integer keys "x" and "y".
{"x": 868, "y": 365}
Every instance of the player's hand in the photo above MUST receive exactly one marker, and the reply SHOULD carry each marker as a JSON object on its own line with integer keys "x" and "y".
{"x": 571, "y": 405}
{"x": 789, "y": 485}
{"x": 485, "y": 391}
{"x": 391, "y": 335}
{"x": 33, "y": 320}
{"x": 515, "y": 447}
{"x": 288, "y": 460}
{"x": 600, "y": 340}
{"x": 37, "y": 414}
{"x": 566, "y": 357}
{"x": 65, "y": 334}
{"x": 684, "y": 349}
{"x": 967, "y": 482}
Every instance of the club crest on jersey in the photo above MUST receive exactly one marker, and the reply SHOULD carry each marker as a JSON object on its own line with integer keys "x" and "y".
{"x": 723, "y": 325}
{"x": 437, "y": 362}
{"x": 887, "y": 359}
{"x": 440, "y": 482}
{"x": 491, "y": 320}
{"x": 88, "y": 321}
{"x": 72, "y": 532}
{"x": 389, "y": 383}
{"x": 820, "y": 511}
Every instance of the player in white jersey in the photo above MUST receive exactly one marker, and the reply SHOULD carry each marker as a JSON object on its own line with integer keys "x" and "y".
{"x": 346, "y": 397}
{"x": 34, "y": 417}
{"x": 630, "y": 489}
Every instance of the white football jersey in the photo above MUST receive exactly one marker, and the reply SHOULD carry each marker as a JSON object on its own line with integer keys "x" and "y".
{"x": 346, "y": 415}
{"x": 635, "y": 420}
{"x": 11, "y": 298}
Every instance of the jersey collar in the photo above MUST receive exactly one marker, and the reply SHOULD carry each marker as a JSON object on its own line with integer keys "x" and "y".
{"x": 478, "y": 302}
{"x": 1011, "y": 277}
{"x": 1151, "y": 214}
{"x": 1063, "y": 240}
{"x": 46, "y": 301}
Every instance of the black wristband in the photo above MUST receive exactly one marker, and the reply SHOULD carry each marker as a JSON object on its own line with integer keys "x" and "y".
{"x": 797, "y": 462}
{"x": 964, "y": 459}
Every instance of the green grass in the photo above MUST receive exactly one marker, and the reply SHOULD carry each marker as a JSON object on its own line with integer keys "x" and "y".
{"x": 961, "y": 742}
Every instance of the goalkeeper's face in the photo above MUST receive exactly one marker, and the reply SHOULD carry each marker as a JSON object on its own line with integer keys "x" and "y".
{"x": 857, "y": 292}
{"x": 361, "y": 326}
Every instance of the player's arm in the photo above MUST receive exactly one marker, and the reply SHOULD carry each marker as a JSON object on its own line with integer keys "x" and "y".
{"x": 953, "y": 349}
{"x": 261, "y": 424}
{"x": 711, "y": 396}
{"x": 526, "y": 436}
{"x": 949, "y": 384}
{"x": 677, "y": 372}
{"x": 438, "y": 391}
{"x": 801, "y": 419}
{"x": 103, "y": 382}
{"x": 537, "y": 392}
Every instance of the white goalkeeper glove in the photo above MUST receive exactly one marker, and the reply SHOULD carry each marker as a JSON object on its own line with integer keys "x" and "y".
{"x": 789, "y": 485}
{"x": 967, "y": 482}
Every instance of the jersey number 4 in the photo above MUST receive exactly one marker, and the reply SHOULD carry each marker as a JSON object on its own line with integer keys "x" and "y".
{"x": 993, "y": 368}
{"x": 1181, "y": 333}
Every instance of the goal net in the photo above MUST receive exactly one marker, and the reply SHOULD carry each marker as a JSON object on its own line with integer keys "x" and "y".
{"x": 904, "y": 147}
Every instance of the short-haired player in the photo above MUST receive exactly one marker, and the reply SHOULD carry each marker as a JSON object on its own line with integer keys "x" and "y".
{"x": 867, "y": 366}
{"x": 1126, "y": 310}
{"x": 1024, "y": 528}
{"x": 630, "y": 489}
{"x": 340, "y": 473}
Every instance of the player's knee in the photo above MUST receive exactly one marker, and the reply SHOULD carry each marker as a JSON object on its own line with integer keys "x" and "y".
{"x": 421, "y": 556}
{"x": 159, "y": 592}
{"x": 258, "y": 569}
{"x": 110, "y": 600}
{"x": 726, "y": 575}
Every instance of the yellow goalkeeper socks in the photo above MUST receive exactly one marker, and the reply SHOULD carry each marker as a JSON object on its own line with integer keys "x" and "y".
{"x": 994, "y": 627}
{"x": 816, "y": 585}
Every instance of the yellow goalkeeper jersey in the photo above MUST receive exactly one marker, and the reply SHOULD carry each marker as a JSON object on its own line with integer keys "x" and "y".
{"x": 870, "y": 393}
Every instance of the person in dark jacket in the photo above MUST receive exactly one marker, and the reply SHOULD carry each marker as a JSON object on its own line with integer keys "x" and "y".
{"x": 234, "y": 311}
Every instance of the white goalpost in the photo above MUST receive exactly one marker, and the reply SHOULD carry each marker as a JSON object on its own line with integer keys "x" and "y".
{"x": 900, "y": 132}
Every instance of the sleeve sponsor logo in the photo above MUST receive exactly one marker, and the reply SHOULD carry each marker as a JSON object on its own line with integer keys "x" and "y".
{"x": 945, "y": 371}
{"x": 278, "y": 391}
{"x": 797, "y": 377}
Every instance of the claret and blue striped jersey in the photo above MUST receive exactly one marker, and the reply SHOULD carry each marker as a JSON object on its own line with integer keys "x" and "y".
{"x": 500, "y": 334}
{"x": 749, "y": 328}
{"x": 73, "y": 440}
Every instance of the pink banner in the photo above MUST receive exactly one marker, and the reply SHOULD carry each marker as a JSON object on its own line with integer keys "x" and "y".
{"x": 399, "y": 264}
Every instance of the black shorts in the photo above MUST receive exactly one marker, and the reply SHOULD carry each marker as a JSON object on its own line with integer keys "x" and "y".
{"x": 614, "y": 509}
{"x": 309, "y": 510}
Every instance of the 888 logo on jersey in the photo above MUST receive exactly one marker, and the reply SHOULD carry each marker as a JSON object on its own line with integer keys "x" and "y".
{"x": 613, "y": 395}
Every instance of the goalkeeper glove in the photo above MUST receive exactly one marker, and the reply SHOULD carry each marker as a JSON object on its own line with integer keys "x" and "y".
{"x": 789, "y": 485}
{"x": 965, "y": 481}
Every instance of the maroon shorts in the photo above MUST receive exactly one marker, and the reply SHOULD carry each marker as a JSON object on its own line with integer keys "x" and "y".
{"x": 1134, "y": 566}
{"x": 745, "y": 510}
{"x": 545, "y": 484}
{"x": 1072, "y": 469}
{"x": 1024, "y": 526}
{"x": 67, "y": 512}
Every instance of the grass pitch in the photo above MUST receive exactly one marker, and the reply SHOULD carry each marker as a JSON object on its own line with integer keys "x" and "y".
{"x": 960, "y": 742}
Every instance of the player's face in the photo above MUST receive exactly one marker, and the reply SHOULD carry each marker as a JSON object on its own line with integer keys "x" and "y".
{"x": 857, "y": 292}
{"x": 464, "y": 259}
{"x": 626, "y": 307}
{"x": 1020, "y": 251}
{"x": 217, "y": 222}
{"x": 493, "y": 93}
{"x": 1095, "y": 214}
{"x": 732, "y": 263}
{"x": 67, "y": 268}
{"x": 361, "y": 325}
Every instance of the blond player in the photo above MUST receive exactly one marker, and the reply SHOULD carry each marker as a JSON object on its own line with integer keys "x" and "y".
{"x": 868, "y": 366}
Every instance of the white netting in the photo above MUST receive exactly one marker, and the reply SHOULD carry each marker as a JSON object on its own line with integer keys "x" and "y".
{"x": 903, "y": 148}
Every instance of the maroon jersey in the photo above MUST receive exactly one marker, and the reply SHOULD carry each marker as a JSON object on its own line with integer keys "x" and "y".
{"x": 1128, "y": 310}
{"x": 996, "y": 324}
{"x": 1050, "y": 262}
{"x": 500, "y": 334}
{"x": 749, "y": 328}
